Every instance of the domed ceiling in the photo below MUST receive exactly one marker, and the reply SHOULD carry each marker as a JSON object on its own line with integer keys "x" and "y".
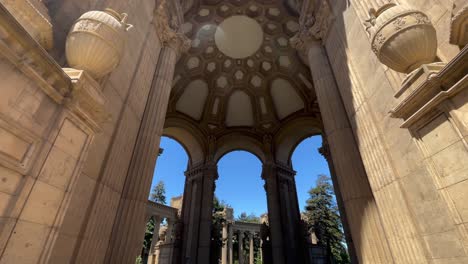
{"x": 241, "y": 72}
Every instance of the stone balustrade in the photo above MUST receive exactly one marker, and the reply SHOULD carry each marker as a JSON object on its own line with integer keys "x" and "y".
{"x": 162, "y": 238}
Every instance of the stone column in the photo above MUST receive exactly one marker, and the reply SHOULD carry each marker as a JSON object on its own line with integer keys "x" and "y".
{"x": 241, "y": 247}
{"x": 325, "y": 151}
{"x": 260, "y": 251}
{"x": 197, "y": 212}
{"x": 288, "y": 244}
{"x": 155, "y": 240}
{"x": 127, "y": 234}
{"x": 224, "y": 250}
{"x": 170, "y": 228}
{"x": 251, "y": 248}
{"x": 360, "y": 206}
{"x": 230, "y": 252}
{"x": 274, "y": 213}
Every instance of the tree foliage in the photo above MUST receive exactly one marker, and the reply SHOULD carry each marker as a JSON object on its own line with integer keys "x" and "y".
{"x": 251, "y": 218}
{"x": 323, "y": 218}
{"x": 158, "y": 194}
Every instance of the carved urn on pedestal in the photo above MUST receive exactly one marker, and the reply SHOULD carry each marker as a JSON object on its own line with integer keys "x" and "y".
{"x": 403, "y": 38}
{"x": 96, "y": 42}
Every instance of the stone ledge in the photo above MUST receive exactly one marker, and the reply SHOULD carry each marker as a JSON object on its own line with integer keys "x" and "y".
{"x": 17, "y": 46}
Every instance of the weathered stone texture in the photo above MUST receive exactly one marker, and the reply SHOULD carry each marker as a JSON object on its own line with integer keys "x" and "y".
{"x": 393, "y": 159}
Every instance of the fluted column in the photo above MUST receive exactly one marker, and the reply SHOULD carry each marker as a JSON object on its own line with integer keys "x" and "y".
{"x": 288, "y": 245}
{"x": 274, "y": 213}
{"x": 224, "y": 251}
{"x": 230, "y": 251}
{"x": 241, "y": 247}
{"x": 155, "y": 240}
{"x": 325, "y": 151}
{"x": 360, "y": 206}
{"x": 127, "y": 233}
{"x": 197, "y": 212}
{"x": 251, "y": 248}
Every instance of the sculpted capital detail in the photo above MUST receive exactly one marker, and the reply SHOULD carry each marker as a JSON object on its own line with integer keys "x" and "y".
{"x": 315, "y": 21}
{"x": 169, "y": 32}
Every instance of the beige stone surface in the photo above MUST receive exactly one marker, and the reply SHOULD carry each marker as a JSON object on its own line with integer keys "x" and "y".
{"x": 70, "y": 195}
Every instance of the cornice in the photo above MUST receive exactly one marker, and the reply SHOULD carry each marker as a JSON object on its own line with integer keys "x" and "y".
{"x": 18, "y": 47}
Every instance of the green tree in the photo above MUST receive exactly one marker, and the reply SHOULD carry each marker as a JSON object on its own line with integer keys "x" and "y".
{"x": 251, "y": 218}
{"x": 216, "y": 229}
{"x": 158, "y": 194}
{"x": 323, "y": 218}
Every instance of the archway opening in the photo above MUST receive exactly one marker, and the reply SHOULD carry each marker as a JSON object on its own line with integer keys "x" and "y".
{"x": 166, "y": 191}
{"x": 318, "y": 201}
{"x": 239, "y": 187}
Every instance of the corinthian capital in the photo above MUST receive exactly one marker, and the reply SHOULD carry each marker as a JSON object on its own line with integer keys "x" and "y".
{"x": 314, "y": 21}
{"x": 168, "y": 31}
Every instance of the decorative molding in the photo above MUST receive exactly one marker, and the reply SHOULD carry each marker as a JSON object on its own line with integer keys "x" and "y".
{"x": 20, "y": 147}
{"x": 426, "y": 88}
{"x": 202, "y": 170}
{"x": 86, "y": 99}
{"x": 17, "y": 46}
{"x": 314, "y": 23}
{"x": 34, "y": 17}
{"x": 169, "y": 31}
{"x": 161, "y": 210}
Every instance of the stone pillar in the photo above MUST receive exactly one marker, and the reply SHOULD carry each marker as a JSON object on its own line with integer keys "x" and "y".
{"x": 260, "y": 251}
{"x": 230, "y": 252}
{"x": 127, "y": 235}
{"x": 197, "y": 212}
{"x": 241, "y": 247}
{"x": 360, "y": 206}
{"x": 284, "y": 215}
{"x": 224, "y": 251}
{"x": 274, "y": 213}
{"x": 170, "y": 228}
{"x": 251, "y": 248}
{"x": 325, "y": 151}
{"x": 155, "y": 240}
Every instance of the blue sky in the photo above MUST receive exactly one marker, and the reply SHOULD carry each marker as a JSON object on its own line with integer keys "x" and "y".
{"x": 240, "y": 184}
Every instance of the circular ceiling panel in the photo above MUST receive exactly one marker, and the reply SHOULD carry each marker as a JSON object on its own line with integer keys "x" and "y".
{"x": 239, "y": 37}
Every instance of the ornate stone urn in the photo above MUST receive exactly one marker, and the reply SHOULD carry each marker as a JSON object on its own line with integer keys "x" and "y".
{"x": 403, "y": 38}
{"x": 96, "y": 42}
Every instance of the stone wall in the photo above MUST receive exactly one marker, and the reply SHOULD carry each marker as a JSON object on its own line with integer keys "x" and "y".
{"x": 420, "y": 222}
{"x": 98, "y": 194}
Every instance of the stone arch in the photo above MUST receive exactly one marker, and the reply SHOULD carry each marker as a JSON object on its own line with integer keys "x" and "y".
{"x": 189, "y": 137}
{"x": 293, "y": 133}
{"x": 237, "y": 141}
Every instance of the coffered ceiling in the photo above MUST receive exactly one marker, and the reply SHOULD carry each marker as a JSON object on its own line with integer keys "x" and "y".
{"x": 241, "y": 72}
